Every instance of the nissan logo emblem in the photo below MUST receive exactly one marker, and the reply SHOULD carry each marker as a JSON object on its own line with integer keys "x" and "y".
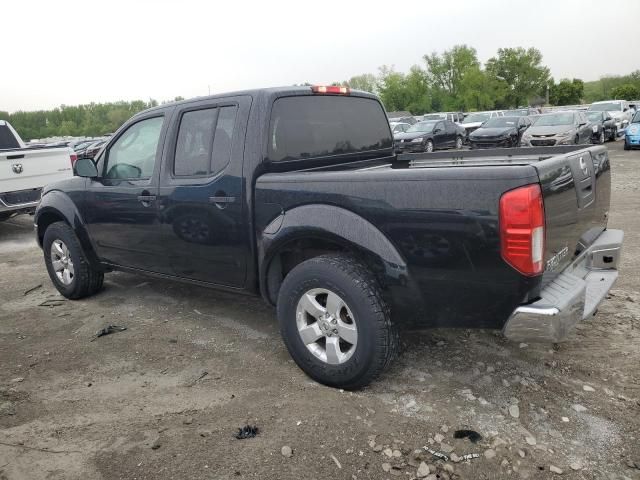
{"x": 16, "y": 167}
{"x": 583, "y": 166}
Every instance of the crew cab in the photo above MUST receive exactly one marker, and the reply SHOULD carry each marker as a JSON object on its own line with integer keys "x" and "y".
{"x": 25, "y": 170}
{"x": 295, "y": 194}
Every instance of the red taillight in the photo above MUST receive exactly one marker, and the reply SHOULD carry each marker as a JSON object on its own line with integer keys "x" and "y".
{"x": 522, "y": 229}
{"x": 73, "y": 158}
{"x": 330, "y": 89}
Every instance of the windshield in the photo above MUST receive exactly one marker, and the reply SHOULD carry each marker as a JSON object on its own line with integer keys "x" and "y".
{"x": 477, "y": 117}
{"x": 636, "y": 117}
{"x": 594, "y": 116}
{"x": 501, "y": 122}
{"x": 606, "y": 107}
{"x": 425, "y": 127}
{"x": 555, "y": 119}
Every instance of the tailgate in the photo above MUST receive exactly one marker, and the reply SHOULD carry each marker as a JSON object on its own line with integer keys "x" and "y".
{"x": 576, "y": 188}
{"x": 28, "y": 169}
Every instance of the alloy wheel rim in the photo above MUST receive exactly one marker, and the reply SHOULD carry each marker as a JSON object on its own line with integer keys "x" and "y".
{"x": 61, "y": 262}
{"x": 326, "y": 326}
{"x": 429, "y": 147}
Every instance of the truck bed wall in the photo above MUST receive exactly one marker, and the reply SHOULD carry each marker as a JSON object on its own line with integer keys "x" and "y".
{"x": 442, "y": 221}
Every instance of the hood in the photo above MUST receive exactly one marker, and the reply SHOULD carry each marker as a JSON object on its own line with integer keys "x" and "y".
{"x": 616, "y": 114}
{"x": 552, "y": 130}
{"x": 410, "y": 135}
{"x": 471, "y": 124}
{"x": 492, "y": 132}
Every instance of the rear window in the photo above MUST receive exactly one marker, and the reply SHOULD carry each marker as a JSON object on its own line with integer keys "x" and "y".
{"x": 320, "y": 126}
{"x": 7, "y": 139}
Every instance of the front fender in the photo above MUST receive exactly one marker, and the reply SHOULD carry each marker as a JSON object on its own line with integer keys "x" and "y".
{"x": 55, "y": 206}
{"x": 331, "y": 223}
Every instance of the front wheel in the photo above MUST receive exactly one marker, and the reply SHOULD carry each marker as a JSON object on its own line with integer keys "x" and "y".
{"x": 67, "y": 265}
{"x": 614, "y": 133}
{"x": 335, "y": 323}
{"x": 428, "y": 147}
{"x": 459, "y": 143}
{"x": 601, "y": 137}
{"x": 627, "y": 146}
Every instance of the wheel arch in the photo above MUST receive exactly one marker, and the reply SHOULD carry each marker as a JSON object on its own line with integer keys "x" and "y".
{"x": 56, "y": 206}
{"x": 312, "y": 230}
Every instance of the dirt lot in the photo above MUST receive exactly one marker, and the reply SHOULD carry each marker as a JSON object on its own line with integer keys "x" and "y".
{"x": 163, "y": 399}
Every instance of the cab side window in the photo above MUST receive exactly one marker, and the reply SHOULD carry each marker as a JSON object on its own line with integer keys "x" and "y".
{"x": 451, "y": 127}
{"x": 133, "y": 155}
{"x": 203, "y": 147}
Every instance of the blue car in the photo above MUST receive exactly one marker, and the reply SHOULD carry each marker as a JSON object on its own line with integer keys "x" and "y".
{"x": 632, "y": 133}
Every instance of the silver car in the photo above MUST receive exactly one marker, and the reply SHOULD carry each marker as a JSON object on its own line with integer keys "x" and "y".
{"x": 560, "y": 128}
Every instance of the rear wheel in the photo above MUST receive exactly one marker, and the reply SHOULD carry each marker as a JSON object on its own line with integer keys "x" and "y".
{"x": 335, "y": 323}
{"x": 67, "y": 264}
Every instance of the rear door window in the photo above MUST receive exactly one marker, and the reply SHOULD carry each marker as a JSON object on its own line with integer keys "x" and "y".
{"x": 321, "y": 126}
{"x": 203, "y": 147}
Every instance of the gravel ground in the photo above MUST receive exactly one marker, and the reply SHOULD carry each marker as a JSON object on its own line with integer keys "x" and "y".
{"x": 164, "y": 399}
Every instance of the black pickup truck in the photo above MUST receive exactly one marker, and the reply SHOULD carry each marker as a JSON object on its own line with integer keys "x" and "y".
{"x": 295, "y": 194}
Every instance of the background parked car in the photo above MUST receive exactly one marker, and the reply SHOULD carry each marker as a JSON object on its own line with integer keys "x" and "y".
{"x": 92, "y": 150}
{"x": 618, "y": 109}
{"x": 455, "y": 117}
{"x": 632, "y": 133}
{"x": 603, "y": 126}
{"x": 475, "y": 120}
{"x": 429, "y": 136}
{"x": 519, "y": 112}
{"x": 401, "y": 117}
{"x": 398, "y": 127}
{"x": 561, "y": 128}
{"x": 499, "y": 132}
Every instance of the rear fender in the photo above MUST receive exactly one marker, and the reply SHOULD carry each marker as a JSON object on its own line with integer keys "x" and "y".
{"x": 335, "y": 225}
{"x": 56, "y": 206}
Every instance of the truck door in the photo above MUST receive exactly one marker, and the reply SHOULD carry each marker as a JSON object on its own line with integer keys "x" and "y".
{"x": 120, "y": 207}
{"x": 201, "y": 199}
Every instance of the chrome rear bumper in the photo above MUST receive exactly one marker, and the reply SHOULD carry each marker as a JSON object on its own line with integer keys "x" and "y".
{"x": 572, "y": 296}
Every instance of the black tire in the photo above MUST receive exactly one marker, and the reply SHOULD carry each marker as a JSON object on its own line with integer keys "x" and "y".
{"x": 459, "y": 142}
{"x": 614, "y": 134}
{"x": 601, "y": 138}
{"x": 429, "y": 146}
{"x": 576, "y": 140}
{"x": 626, "y": 146}
{"x": 377, "y": 339}
{"x": 86, "y": 280}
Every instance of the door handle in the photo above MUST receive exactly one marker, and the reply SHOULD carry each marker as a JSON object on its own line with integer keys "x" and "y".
{"x": 146, "y": 199}
{"x": 222, "y": 199}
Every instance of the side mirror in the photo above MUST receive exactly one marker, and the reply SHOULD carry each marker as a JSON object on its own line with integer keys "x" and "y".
{"x": 85, "y": 167}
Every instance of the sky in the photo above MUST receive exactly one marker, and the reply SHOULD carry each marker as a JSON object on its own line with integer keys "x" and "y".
{"x": 71, "y": 52}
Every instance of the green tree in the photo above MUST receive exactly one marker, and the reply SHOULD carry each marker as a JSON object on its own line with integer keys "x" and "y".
{"x": 626, "y": 91}
{"x": 566, "y": 92}
{"x": 367, "y": 82}
{"x": 479, "y": 91}
{"x": 521, "y": 71}
{"x": 446, "y": 74}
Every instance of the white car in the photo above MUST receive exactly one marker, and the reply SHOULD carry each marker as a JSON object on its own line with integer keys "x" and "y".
{"x": 619, "y": 111}
{"x": 473, "y": 121}
{"x": 25, "y": 170}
